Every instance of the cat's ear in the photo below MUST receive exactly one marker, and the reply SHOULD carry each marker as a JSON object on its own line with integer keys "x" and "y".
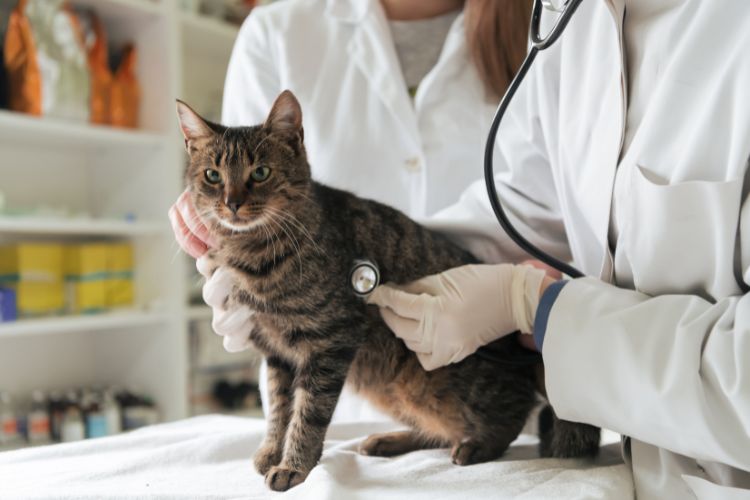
{"x": 192, "y": 125}
{"x": 285, "y": 116}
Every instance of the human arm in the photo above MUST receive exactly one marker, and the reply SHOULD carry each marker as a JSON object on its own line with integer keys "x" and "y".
{"x": 672, "y": 370}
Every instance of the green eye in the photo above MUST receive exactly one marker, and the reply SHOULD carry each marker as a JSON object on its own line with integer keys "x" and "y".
{"x": 259, "y": 174}
{"x": 213, "y": 176}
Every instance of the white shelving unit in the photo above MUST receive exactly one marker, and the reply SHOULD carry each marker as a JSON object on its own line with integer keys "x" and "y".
{"x": 115, "y": 176}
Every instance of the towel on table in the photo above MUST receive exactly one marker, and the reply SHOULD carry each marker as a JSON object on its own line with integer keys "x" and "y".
{"x": 210, "y": 458}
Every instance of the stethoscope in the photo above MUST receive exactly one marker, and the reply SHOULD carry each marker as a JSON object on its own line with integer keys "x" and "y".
{"x": 364, "y": 276}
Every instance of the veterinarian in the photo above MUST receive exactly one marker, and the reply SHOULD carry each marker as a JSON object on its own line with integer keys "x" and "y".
{"x": 396, "y": 94}
{"x": 626, "y": 152}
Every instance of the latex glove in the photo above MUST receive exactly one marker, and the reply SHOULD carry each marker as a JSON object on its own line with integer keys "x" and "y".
{"x": 235, "y": 323}
{"x": 448, "y": 316}
{"x": 189, "y": 231}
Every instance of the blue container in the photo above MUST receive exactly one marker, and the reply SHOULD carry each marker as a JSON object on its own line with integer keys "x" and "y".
{"x": 8, "y": 311}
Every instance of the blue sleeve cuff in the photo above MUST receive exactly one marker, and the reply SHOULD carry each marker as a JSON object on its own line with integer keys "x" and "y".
{"x": 543, "y": 311}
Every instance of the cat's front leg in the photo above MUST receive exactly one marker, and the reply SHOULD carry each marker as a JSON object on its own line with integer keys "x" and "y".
{"x": 280, "y": 377}
{"x": 317, "y": 387}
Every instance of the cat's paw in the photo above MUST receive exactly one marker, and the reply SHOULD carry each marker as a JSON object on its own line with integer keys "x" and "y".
{"x": 382, "y": 445}
{"x": 472, "y": 452}
{"x": 266, "y": 457}
{"x": 280, "y": 478}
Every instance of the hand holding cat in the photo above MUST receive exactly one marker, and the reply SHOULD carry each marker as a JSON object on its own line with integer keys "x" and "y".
{"x": 191, "y": 234}
{"x": 233, "y": 323}
{"x": 448, "y": 316}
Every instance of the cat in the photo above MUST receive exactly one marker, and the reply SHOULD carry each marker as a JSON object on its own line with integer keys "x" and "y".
{"x": 290, "y": 243}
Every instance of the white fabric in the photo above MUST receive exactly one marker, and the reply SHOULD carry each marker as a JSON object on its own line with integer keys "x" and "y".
{"x": 363, "y": 133}
{"x": 668, "y": 364}
{"x": 210, "y": 458}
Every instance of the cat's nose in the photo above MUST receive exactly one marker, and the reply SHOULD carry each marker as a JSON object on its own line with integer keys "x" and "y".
{"x": 234, "y": 204}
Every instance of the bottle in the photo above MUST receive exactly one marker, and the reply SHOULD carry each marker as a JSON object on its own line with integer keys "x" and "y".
{"x": 38, "y": 420}
{"x": 56, "y": 410}
{"x": 95, "y": 419}
{"x": 8, "y": 425}
{"x": 72, "y": 425}
{"x": 111, "y": 413}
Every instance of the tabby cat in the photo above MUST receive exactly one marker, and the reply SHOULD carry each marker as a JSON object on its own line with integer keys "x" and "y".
{"x": 290, "y": 243}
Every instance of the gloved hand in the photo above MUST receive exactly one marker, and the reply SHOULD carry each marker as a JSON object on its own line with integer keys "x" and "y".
{"x": 448, "y": 316}
{"x": 234, "y": 323}
{"x": 194, "y": 238}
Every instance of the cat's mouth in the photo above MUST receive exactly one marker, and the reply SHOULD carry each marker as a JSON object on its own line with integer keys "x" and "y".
{"x": 239, "y": 225}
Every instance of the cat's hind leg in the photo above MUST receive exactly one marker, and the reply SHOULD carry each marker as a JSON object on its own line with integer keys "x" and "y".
{"x": 390, "y": 444}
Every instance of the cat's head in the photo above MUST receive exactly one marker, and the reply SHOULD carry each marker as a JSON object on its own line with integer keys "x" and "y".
{"x": 240, "y": 177}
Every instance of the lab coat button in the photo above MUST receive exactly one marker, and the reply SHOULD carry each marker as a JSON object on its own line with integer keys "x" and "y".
{"x": 413, "y": 164}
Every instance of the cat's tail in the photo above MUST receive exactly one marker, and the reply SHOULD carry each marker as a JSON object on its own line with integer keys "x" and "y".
{"x": 563, "y": 439}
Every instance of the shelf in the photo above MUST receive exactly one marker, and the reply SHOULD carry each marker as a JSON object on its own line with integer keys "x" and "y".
{"x": 122, "y": 10}
{"x": 77, "y": 226}
{"x": 21, "y": 129}
{"x": 199, "y": 313}
{"x": 207, "y": 35}
{"x": 225, "y": 367}
{"x": 94, "y": 322}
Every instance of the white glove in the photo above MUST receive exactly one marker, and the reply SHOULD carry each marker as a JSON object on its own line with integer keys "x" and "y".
{"x": 233, "y": 324}
{"x": 448, "y": 316}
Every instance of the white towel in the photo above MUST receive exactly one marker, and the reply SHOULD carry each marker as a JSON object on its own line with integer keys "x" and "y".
{"x": 210, "y": 457}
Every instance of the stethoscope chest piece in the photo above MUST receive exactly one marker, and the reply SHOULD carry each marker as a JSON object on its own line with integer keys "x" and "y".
{"x": 364, "y": 277}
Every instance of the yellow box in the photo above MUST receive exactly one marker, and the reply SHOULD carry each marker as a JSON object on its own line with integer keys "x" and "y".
{"x": 35, "y": 272}
{"x": 120, "y": 290}
{"x": 39, "y": 298}
{"x": 86, "y": 277}
{"x": 38, "y": 262}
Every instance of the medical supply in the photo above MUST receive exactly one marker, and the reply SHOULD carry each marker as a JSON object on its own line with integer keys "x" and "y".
{"x": 46, "y": 61}
{"x": 94, "y": 416}
{"x": 566, "y": 8}
{"x": 38, "y": 421}
{"x": 111, "y": 413}
{"x": 8, "y": 423}
{"x": 86, "y": 278}
{"x": 35, "y": 272}
{"x": 119, "y": 288}
{"x": 137, "y": 410}
{"x": 8, "y": 310}
{"x": 72, "y": 425}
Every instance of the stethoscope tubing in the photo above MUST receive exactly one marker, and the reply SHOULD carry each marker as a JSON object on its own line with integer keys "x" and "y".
{"x": 538, "y": 44}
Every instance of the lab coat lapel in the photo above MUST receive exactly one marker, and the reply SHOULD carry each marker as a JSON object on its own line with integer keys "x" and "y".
{"x": 373, "y": 52}
{"x": 452, "y": 60}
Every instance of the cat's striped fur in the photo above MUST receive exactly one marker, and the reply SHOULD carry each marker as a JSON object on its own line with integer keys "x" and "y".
{"x": 291, "y": 244}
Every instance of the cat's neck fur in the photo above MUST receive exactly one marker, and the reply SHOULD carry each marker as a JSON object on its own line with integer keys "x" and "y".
{"x": 281, "y": 233}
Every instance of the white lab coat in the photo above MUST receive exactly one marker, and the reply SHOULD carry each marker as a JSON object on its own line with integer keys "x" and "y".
{"x": 668, "y": 363}
{"x": 362, "y": 131}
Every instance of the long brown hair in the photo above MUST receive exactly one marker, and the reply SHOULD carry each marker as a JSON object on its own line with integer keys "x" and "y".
{"x": 497, "y": 35}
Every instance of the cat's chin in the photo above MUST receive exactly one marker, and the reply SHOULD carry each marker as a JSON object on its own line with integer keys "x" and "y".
{"x": 241, "y": 228}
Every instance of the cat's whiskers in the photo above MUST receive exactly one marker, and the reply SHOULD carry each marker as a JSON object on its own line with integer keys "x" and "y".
{"x": 296, "y": 223}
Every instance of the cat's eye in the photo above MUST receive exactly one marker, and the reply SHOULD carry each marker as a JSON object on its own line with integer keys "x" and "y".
{"x": 212, "y": 176}
{"x": 259, "y": 174}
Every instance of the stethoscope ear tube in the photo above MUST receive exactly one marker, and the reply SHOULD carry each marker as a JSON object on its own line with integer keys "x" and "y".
{"x": 489, "y": 150}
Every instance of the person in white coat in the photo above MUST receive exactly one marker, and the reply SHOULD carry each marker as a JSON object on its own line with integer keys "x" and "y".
{"x": 641, "y": 115}
{"x": 397, "y": 95}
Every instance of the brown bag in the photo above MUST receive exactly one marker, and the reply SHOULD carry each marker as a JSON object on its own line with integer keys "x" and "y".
{"x": 101, "y": 76}
{"x": 126, "y": 93}
{"x": 46, "y": 61}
